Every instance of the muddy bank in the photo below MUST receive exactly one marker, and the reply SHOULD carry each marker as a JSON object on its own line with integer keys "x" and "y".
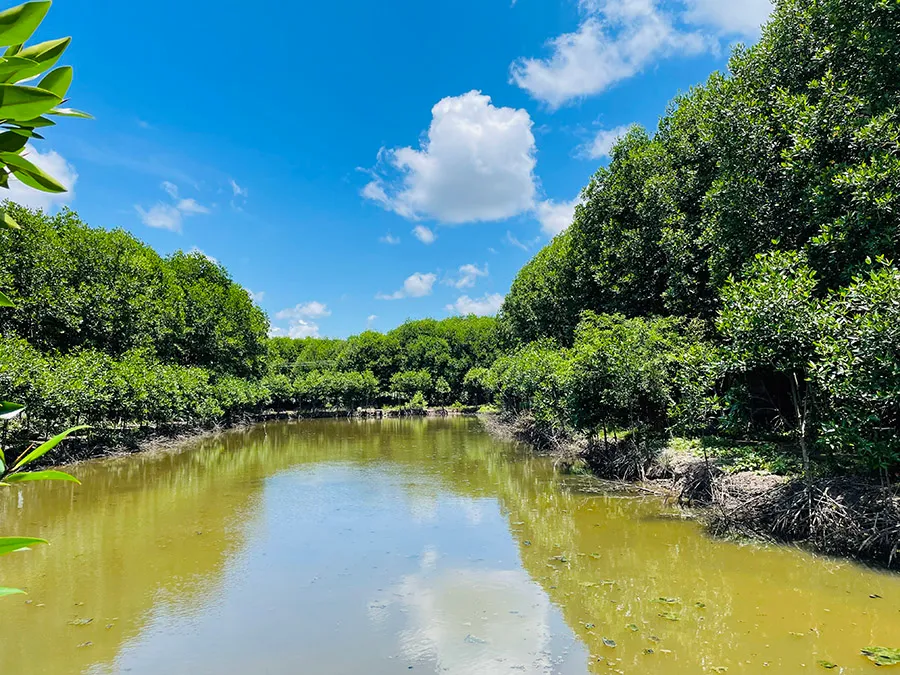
{"x": 852, "y": 517}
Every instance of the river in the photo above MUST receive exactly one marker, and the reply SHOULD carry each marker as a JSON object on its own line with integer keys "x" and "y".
{"x": 396, "y": 546}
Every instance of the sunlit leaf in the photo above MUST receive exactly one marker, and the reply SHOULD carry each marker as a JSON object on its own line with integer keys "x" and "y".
{"x": 40, "y": 475}
{"x": 30, "y": 174}
{"x": 36, "y": 123}
{"x": 71, "y": 112}
{"x": 11, "y": 544}
{"x": 882, "y": 656}
{"x": 44, "y": 448}
{"x": 5, "y": 301}
{"x": 10, "y": 65}
{"x": 17, "y": 24}
{"x": 46, "y": 54}
{"x": 10, "y": 410}
{"x": 10, "y": 591}
{"x": 20, "y": 102}
{"x": 58, "y": 81}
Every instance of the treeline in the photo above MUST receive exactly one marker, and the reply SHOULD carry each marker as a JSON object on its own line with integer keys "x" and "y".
{"x": 106, "y": 332}
{"x": 733, "y": 274}
{"x": 426, "y": 361}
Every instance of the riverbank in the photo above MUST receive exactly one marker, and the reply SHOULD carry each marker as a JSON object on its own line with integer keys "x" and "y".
{"x": 850, "y": 517}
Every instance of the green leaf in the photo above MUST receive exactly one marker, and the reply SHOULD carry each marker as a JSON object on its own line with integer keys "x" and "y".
{"x": 19, "y": 102}
{"x": 30, "y": 174}
{"x": 6, "y": 220}
{"x": 12, "y": 544}
{"x": 46, "y": 54}
{"x": 36, "y": 123}
{"x": 882, "y": 656}
{"x": 5, "y": 302}
{"x": 10, "y": 591}
{"x": 10, "y": 410}
{"x": 17, "y": 24}
{"x": 44, "y": 448}
{"x": 826, "y": 664}
{"x": 71, "y": 112}
{"x": 40, "y": 475}
{"x": 10, "y": 65}
{"x": 58, "y": 81}
{"x": 12, "y": 141}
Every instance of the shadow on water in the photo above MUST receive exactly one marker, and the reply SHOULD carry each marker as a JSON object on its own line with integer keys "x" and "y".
{"x": 336, "y": 546}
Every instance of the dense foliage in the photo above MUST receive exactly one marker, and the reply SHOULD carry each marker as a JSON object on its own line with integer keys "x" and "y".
{"x": 107, "y": 332}
{"x": 755, "y": 210}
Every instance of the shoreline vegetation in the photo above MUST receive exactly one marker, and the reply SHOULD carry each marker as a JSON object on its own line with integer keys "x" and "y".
{"x": 853, "y": 517}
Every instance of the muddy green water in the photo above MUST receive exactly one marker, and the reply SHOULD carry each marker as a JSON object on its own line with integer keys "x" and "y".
{"x": 425, "y": 546}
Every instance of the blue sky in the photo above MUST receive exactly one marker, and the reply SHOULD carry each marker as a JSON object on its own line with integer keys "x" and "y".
{"x": 358, "y": 163}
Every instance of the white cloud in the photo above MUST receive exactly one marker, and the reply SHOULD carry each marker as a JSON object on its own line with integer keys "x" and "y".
{"x": 54, "y": 164}
{"x": 485, "y": 306}
{"x": 468, "y": 275}
{"x": 170, "y": 216}
{"x": 604, "y": 141}
{"x": 617, "y": 40}
{"x": 161, "y": 216}
{"x": 736, "y": 18}
{"x": 300, "y": 328}
{"x": 299, "y": 318}
{"x": 256, "y": 297}
{"x": 236, "y": 189}
{"x": 389, "y": 239}
{"x": 476, "y": 163}
{"x": 313, "y": 310}
{"x": 370, "y": 320}
{"x": 170, "y": 188}
{"x": 191, "y": 207}
{"x": 423, "y": 234}
{"x": 417, "y": 285}
{"x": 512, "y": 241}
{"x": 194, "y": 249}
{"x": 556, "y": 216}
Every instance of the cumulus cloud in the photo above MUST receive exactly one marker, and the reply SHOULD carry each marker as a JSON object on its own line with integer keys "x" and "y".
{"x": 299, "y": 319}
{"x": 206, "y": 255}
{"x": 389, "y": 239}
{"x": 603, "y": 142}
{"x": 736, "y": 18}
{"x": 468, "y": 275}
{"x": 313, "y": 310}
{"x": 171, "y": 216}
{"x": 54, "y": 164}
{"x": 475, "y": 163}
{"x": 423, "y": 234}
{"x": 556, "y": 216}
{"x": 417, "y": 285}
{"x": 484, "y": 306}
{"x": 618, "y": 39}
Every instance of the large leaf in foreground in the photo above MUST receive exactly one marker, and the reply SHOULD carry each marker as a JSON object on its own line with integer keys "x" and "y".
{"x": 40, "y": 475}
{"x": 44, "y": 448}
{"x": 10, "y": 410}
{"x": 18, "y": 102}
{"x": 17, "y": 24}
{"x": 10, "y": 591}
{"x": 11, "y": 544}
{"x": 882, "y": 656}
{"x": 30, "y": 174}
{"x": 46, "y": 54}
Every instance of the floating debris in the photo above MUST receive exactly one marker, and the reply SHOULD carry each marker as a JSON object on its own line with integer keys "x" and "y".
{"x": 80, "y": 622}
{"x": 472, "y": 640}
{"x": 882, "y": 656}
{"x": 609, "y": 643}
{"x": 670, "y": 616}
{"x": 826, "y": 664}
{"x": 632, "y": 627}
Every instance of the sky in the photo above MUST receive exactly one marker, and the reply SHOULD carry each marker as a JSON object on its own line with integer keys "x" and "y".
{"x": 355, "y": 164}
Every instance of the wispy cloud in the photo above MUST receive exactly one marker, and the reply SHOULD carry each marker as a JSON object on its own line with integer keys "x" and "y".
{"x": 389, "y": 239}
{"x": 170, "y": 216}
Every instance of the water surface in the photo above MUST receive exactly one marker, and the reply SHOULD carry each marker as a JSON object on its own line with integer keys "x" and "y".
{"x": 396, "y": 546}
